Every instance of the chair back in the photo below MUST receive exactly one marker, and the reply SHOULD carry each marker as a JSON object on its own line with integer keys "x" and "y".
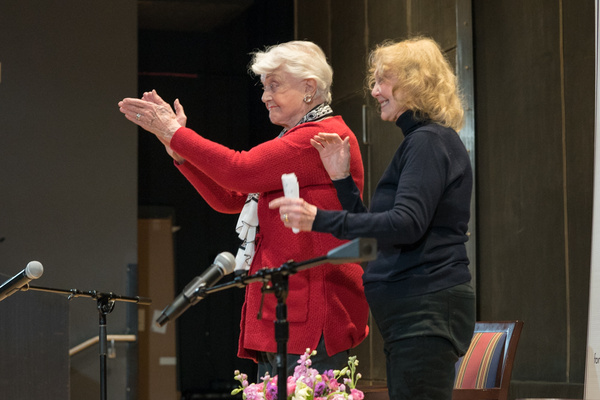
{"x": 484, "y": 372}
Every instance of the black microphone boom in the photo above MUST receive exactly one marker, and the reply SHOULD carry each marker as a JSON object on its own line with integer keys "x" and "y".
{"x": 33, "y": 271}
{"x": 223, "y": 265}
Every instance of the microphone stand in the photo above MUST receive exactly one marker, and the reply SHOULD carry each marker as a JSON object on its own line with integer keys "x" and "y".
{"x": 105, "y": 304}
{"x": 358, "y": 250}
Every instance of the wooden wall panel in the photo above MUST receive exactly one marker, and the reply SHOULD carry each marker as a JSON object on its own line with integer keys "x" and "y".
{"x": 434, "y": 18}
{"x": 534, "y": 138}
{"x": 157, "y": 345}
{"x": 534, "y": 112}
{"x": 348, "y": 61}
{"x": 312, "y": 20}
{"x": 521, "y": 221}
{"x": 386, "y": 20}
{"x": 578, "y": 49}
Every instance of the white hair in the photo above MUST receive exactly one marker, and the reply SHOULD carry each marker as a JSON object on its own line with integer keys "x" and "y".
{"x": 302, "y": 59}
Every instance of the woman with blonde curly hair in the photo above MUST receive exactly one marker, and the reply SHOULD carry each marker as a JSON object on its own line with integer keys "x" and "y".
{"x": 419, "y": 287}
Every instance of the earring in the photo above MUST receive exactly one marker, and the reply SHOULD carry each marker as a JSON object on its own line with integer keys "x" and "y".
{"x": 307, "y": 98}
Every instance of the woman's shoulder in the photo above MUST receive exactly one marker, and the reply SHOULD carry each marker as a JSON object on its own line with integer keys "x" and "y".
{"x": 435, "y": 138}
{"x": 334, "y": 124}
{"x": 335, "y": 120}
{"x": 433, "y": 132}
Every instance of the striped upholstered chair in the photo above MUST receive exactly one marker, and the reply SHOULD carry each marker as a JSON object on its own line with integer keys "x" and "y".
{"x": 484, "y": 372}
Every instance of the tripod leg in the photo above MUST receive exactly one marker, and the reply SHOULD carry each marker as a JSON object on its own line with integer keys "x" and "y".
{"x": 105, "y": 306}
{"x": 280, "y": 283}
{"x": 103, "y": 352}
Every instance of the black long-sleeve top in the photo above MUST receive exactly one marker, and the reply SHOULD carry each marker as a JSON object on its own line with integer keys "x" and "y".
{"x": 419, "y": 213}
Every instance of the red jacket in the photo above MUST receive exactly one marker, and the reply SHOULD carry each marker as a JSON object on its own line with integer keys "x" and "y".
{"x": 324, "y": 300}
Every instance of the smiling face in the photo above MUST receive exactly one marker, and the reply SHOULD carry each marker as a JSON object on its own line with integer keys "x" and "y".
{"x": 283, "y": 95}
{"x": 392, "y": 104}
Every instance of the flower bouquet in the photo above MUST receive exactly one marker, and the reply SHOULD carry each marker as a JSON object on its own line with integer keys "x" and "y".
{"x": 306, "y": 383}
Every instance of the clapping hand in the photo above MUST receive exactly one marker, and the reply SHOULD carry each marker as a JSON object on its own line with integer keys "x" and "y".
{"x": 335, "y": 154}
{"x": 155, "y": 115}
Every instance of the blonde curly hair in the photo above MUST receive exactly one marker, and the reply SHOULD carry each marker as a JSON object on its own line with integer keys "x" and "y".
{"x": 425, "y": 77}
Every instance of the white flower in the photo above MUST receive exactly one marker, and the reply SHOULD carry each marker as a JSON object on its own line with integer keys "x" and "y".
{"x": 302, "y": 392}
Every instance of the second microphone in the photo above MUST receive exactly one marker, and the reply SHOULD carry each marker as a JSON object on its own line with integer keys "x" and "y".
{"x": 223, "y": 265}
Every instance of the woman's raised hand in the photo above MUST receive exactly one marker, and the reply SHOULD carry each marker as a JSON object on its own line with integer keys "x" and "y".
{"x": 335, "y": 154}
{"x": 155, "y": 116}
{"x": 156, "y": 99}
{"x": 153, "y": 97}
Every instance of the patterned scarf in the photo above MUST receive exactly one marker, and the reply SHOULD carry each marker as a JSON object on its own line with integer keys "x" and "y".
{"x": 247, "y": 224}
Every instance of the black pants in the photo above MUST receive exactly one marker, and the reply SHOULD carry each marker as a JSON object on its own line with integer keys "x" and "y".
{"x": 423, "y": 338}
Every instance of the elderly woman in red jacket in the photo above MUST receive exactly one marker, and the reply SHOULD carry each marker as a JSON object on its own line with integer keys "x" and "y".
{"x": 327, "y": 309}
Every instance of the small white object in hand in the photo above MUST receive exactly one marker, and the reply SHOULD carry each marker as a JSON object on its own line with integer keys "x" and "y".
{"x": 291, "y": 189}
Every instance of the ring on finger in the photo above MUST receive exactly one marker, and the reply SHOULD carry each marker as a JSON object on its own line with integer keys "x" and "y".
{"x": 285, "y": 218}
{"x": 138, "y": 116}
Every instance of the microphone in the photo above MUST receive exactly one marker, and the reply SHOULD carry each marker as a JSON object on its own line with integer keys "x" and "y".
{"x": 33, "y": 271}
{"x": 224, "y": 264}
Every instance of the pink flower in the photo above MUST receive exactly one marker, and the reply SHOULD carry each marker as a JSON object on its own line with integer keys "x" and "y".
{"x": 291, "y": 385}
{"x": 254, "y": 392}
{"x": 357, "y": 394}
{"x": 271, "y": 392}
{"x": 334, "y": 385}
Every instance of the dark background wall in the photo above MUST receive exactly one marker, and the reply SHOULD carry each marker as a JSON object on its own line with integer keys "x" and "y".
{"x": 535, "y": 105}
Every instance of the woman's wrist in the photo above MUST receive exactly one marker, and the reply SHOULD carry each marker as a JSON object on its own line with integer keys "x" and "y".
{"x": 339, "y": 177}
